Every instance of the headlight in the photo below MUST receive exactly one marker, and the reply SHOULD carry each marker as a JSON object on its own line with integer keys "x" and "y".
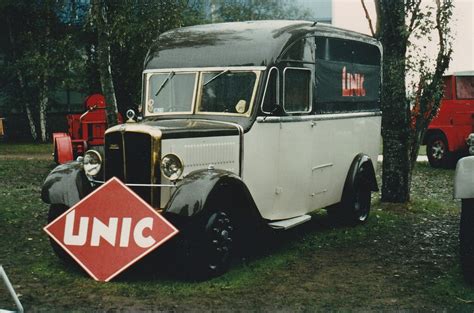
{"x": 92, "y": 162}
{"x": 470, "y": 143}
{"x": 171, "y": 166}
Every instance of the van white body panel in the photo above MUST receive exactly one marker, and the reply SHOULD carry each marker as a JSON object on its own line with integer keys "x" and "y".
{"x": 296, "y": 165}
{"x": 198, "y": 153}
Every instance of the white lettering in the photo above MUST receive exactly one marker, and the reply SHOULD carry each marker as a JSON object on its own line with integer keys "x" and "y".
{"x": 100, "y": 230}
{"x": 108, "y": 232}
{"x": 75, "y": 240}
{"x": 143, "y": 242}
{"x": 125, "y": 233}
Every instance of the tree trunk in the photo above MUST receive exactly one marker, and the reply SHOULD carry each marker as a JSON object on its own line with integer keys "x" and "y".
{"x": 103, "y": 56}
{"x": 44, "y": 101}
{"x": 31, "y": 120}
{"x": 396, "y": 111}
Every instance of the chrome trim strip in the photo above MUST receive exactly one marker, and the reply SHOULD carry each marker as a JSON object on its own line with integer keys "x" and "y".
{"x": 319, "y": 117}
{"x": 203, "y": 69}
{"x": 136, "y": 185}
{"x": 322, "y": 166}
{"x": 310, "y": 89}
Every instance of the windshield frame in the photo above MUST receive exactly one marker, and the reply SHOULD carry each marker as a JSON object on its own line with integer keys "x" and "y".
{"x": 198, "y": 87}
{"x": 149, "y": 74}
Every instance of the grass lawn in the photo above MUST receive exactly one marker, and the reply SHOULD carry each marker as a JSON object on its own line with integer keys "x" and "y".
{"x": 25, "y": 149}
{"x": 404, "y": 258}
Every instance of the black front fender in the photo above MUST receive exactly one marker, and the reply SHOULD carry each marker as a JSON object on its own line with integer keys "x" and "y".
{"x": 198, "y": 189}
{"x": 67, "y": 184}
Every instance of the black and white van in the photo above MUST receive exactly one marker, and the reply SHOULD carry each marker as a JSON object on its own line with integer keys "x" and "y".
{"x": 244, "y": 123}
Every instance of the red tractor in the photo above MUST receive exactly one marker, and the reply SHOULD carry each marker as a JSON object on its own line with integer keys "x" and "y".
{"x": 85, "y": 131}
{"x": 449, "y": 134}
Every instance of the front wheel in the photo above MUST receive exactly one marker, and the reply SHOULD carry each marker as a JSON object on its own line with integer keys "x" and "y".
{"x": 437, "y": 151}
{"x": 466, "y": 239}
{"x": 207, "y": 251}
{"x": 55, "y": 210}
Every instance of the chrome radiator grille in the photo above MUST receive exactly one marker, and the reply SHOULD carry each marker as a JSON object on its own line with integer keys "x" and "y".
{"x": 129, "y": 157}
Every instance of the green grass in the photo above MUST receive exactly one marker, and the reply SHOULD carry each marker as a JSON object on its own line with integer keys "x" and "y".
{"x": 421, "y": 151}
{"x": 405, "y": 258}
{"x": 25, "y": 148}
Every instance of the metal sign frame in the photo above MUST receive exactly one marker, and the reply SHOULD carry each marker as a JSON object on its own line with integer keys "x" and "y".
{"x": 12, "y": 292}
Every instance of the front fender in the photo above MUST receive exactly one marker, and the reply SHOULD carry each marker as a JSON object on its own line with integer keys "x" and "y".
{"x": 196, "y": 190}
{"x": 464, "y": 179}
{"x": 67, "y": 184}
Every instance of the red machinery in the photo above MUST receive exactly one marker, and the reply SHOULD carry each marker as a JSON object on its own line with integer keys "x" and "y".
{"x": 85, "y": 131}
{"x": 447, "y": 133}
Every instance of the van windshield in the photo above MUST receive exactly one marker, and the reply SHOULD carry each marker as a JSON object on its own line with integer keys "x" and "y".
{"x": 221, "y": 91}
{"x": 227, "y": 92}
{"x": 171, "y": 92}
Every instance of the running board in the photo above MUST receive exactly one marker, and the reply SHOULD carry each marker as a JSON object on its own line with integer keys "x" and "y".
{"x": 290, "y": 223}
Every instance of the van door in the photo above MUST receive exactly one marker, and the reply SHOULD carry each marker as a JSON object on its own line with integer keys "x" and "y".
{"x": 295, "y": 145}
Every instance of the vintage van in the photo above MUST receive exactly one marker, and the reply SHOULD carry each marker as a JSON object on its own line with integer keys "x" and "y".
{"x": 242, "y": 124}
{"x": 449, "y": 134}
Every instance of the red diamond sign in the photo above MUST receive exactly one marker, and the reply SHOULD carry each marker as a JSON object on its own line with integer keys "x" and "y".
{"x": 109, "y": 230}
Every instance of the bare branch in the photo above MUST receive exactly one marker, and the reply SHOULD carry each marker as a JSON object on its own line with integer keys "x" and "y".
{"x": 367, "y": 16}
{"x": 378, "y": 14}
{"x": 414, "y": 9}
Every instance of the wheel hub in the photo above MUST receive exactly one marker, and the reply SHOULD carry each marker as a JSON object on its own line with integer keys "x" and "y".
{"x": 220, "y": 239}
{"x": 437, "y": 150}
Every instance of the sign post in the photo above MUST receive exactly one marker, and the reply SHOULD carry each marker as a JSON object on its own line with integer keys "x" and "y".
{"x": 110, "y": 230}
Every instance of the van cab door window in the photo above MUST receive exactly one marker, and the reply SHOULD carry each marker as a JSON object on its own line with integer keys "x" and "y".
{"x": 297, "y": 90}
{"x": 270, "y": 98}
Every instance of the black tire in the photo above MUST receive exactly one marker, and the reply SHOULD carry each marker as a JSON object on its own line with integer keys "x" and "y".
{"x": 207, "y": 251}
{"x": 438, "y": 152}
{"x": 55, "y": 210}
{"x": 466, "y": 239}
{"x": 356, "y": 203}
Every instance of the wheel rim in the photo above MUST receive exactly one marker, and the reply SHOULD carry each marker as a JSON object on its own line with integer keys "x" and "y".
{"x": 438, "y": 150}
{"x": 220, "y": 232}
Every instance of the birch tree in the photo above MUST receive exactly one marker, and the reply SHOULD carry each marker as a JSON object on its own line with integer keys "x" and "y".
{"x": 399, "y": 26}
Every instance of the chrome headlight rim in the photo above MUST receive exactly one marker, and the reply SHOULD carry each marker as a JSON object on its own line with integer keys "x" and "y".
{"x": 175, "y": 173}
{"x": 94, "y": 170}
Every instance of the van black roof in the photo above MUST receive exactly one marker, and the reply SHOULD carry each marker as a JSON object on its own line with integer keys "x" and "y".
{"x": 254, "y": 43}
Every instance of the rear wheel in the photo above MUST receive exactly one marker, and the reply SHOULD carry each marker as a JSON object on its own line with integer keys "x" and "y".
{"x": 466, "y": 239}
{"x": 356, "y": 203}
{"x": 437, "y": 151}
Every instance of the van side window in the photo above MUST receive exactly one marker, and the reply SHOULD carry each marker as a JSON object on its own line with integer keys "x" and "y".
{"x": 270, "y": 99}
{"x": 465, "y": 87}
{"x": 301, "y": 51}
{"x": 347, "y": 76}
{"x": 448, "y": 88}
{"x": 297, "y": 90}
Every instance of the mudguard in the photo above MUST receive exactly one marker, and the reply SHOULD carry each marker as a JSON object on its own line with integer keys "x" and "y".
{"x": 464, "y": 178}
{"x": 199, "y": 189}
{"x": 67, "y": 184}
{"x": 361, "y": 162}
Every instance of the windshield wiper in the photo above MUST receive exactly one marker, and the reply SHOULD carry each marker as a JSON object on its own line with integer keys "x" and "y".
{"x": 168, "y": 78}
{"x": 215, "y": 76}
